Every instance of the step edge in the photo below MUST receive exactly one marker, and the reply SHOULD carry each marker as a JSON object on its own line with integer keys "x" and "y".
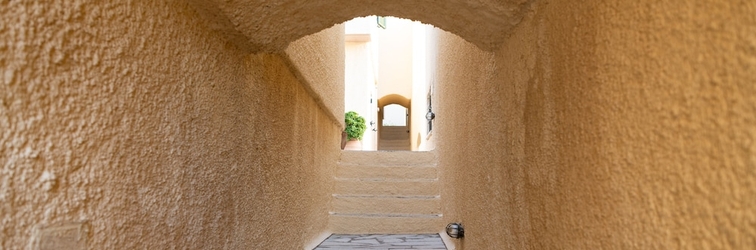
{"x": 433, "y": 163}
{"x": 385, "y": 215}
{"x": 346, "y": 179}
{"x": 378, "y": 165}
{"x": 421, "y": 197}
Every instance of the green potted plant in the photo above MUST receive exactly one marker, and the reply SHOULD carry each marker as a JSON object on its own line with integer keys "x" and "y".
{"x": 355, "y": 128}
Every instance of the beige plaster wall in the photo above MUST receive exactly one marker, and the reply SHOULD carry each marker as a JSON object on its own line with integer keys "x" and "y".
{"x": 614, "y": 124}
{"x": 604, "y": 125}
{"x": 313, "y": 57}
{"x": 136, "y": 126}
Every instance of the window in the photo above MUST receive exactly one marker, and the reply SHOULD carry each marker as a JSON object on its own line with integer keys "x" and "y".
{"x": 381, "y": 22}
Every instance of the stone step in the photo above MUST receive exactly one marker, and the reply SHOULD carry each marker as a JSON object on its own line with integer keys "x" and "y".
{"x": 388, "y": 172}
{"x": 394, "y": 133}
{"x": 385, "y": 223}
{"x": 373, "y": 204}
{"x": 395, "y": 137}
{"x": 395, "y": 158}
{"x": 382, "y": 186}
{"x": 394, "y": 129}
{"x": 394, "y": 142}
{"x": 394, "y": 147}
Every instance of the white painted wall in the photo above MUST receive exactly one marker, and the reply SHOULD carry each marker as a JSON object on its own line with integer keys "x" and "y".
{"x": 395, "y": 58}
{"x": 359, "y": 80}
{"x": 425, "y": 52}
{"x": 360, "y": 25}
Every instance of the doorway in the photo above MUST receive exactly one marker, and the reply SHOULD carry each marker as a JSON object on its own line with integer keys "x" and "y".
{"x": 394, "y": 128}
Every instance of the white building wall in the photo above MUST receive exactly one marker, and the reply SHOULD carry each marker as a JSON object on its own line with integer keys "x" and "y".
{"x": 424, "y": 53}
{"x": 360, "y": 75}
{"x": 431, "y": 61}
{"x": 395, "y": 60}
{"x": 419, "y": 86}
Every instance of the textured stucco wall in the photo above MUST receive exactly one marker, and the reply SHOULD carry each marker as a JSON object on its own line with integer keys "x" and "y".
{"x": 139, "y": 121}
{"x": 314, "y": 59}
{"x": 603, "y": 125}
{"x": 272, "y": 25}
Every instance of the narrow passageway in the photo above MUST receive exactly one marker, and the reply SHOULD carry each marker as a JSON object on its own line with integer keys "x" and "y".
{"x": 212, "y": 124}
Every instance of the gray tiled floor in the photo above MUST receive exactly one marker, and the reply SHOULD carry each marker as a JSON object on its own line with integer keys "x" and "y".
{"x": 382, "y": 241}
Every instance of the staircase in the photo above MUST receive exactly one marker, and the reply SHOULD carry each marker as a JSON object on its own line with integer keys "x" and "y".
{"x": 386, "y": 192}
{"x": 394, "y": 138}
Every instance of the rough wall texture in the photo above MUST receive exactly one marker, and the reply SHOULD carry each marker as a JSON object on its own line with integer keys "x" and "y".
{"x": 602, "y": 125}
{"x": 272, "y": 25}
{"x": 137, "y": 125}
{"x": 315, "y": 58}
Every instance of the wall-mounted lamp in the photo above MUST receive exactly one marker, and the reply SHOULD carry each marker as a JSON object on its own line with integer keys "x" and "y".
{"x": 430, "y": 115}
{"x": 455, "y": 230}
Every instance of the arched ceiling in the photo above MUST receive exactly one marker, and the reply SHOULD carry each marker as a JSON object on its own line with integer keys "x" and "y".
{"x": 260, "y": 25}
{"x": 394, "y": 99}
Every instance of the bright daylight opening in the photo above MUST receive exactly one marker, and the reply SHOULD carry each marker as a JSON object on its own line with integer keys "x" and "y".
{"x": 395, "y": 115}
{"x": 388, "y": 79}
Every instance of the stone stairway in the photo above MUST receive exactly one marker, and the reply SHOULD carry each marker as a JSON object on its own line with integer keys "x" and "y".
{"x": 394, "y": 138}
{"x": 382, "y": 192}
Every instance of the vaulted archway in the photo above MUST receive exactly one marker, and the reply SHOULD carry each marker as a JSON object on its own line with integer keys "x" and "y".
{"x": 271, "y": 26}
{"x": 598, "y": 124}
{"x": 393, "y": 131}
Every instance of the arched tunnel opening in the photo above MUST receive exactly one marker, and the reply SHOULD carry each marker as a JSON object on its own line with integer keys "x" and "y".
{"x": 215, "y": 124}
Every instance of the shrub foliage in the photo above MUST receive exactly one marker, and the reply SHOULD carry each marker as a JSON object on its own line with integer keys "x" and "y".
{"x": 355, "y": 125}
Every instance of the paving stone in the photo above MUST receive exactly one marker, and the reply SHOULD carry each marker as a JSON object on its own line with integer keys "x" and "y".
{"x": 382, "y": 241}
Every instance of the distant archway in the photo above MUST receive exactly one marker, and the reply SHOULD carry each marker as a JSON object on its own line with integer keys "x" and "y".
{"x": 392, "y": 99}
{"x": 392, "y": 132}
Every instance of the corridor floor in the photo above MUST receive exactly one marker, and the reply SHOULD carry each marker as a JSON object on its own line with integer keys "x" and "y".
{"x": 382, "y": 241}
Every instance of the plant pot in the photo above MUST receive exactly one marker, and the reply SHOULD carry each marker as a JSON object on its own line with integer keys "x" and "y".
{"x": 353, "y": 144}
